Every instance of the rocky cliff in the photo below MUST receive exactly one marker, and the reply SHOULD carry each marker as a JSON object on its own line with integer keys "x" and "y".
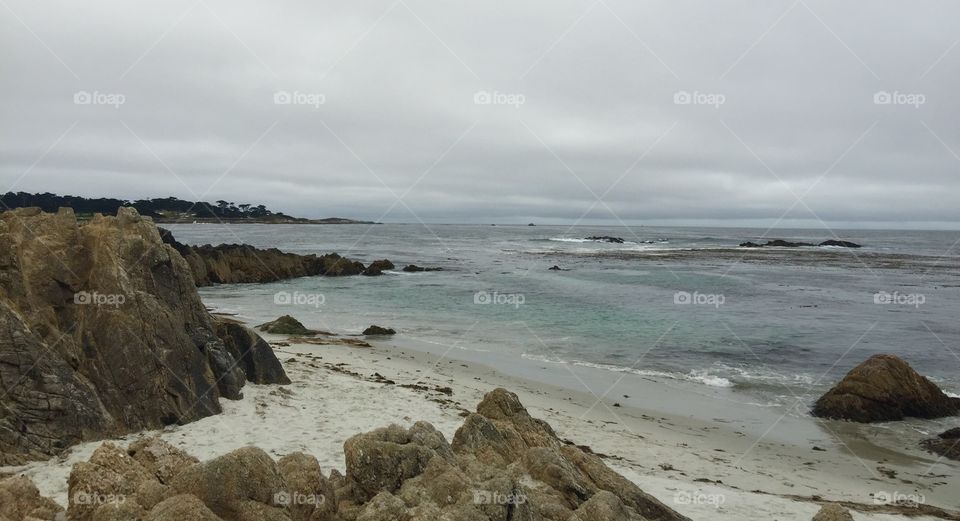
{"x": 102, "y": 332}
{"x": 236, "y": 263}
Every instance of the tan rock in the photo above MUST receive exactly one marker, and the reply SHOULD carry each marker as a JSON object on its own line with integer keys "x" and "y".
{"x": 160, "y": 458}
{"x": 833, "y": 512}
{"x": 109, "y": 476}
{"x": 19, "y": 498}
{"x": 246, "y": 474}
{"x": 181, "y": 508}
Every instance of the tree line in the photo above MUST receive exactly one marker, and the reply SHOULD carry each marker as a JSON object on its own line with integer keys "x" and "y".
{"x": 157, "y": 207}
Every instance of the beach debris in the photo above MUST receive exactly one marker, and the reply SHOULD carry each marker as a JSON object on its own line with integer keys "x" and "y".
{"x": 379, "y": 331}
{"x": 884, "y": 388}
{"x": 378, "y": 267}
{"x": 833, "y": 512}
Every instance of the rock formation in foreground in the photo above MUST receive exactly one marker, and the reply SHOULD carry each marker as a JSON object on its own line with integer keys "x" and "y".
{"x": 503, "y": 465}
{"x": 102, "y": 333}
{"x": 884, "y": 388}
{"x": 238, "y": 263}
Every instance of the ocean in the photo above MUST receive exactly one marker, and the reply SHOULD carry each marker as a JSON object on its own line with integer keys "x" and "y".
{"x": 685, "y": 307}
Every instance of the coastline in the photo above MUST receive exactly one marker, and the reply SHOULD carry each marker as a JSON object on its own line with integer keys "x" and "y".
{"x": 694, "y": 466}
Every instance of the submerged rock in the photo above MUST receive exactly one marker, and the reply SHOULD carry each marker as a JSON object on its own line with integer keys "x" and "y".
{"x": 884, "y": 388}
{"x": 413, "y": 268}
{"x": 377, "y": 330}
{"x": 842, "y": 244}
{"x": 605, "y": 238}
{"x": 103, "y": 330}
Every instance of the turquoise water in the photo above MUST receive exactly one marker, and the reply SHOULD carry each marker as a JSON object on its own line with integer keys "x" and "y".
{"x": 767, "y": 331}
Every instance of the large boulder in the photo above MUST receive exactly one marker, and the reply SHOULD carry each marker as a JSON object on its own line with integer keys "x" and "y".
{"x": 224, "y": 484}
{"x": 254, "y": 355}
{"x": 383, "y": 459}
{"x": 884, "y": 388}
{"x": 20, "y": 499}
{"x": 109, "y": 476}
{"x": 159, "y": 458}
{"x": 103, "y": 331}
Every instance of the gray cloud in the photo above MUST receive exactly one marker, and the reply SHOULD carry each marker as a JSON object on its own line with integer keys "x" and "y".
{"x": 399, "y": 84}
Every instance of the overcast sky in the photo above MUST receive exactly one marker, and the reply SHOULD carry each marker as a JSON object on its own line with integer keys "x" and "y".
{"x": 563, "y": 111}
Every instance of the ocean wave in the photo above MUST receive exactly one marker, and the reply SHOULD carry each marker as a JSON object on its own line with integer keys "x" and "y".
{"x": 696, "y": 376}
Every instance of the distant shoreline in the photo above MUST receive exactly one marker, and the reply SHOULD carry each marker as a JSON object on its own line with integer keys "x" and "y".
{"x": 208, "y": 220}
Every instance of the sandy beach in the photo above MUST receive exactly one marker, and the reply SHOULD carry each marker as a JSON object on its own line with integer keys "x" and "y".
{"x": 704, "y": 469}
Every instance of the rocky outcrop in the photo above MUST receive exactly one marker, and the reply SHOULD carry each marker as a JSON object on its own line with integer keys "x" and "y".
{"x": 413, "y": 268}
{"x": 946, "y": 444}
{"x": 503, "y": 465}
{"x": 102, "y": 332}
{"x": 604, "y": 238}
{"x": 378, "y": 267}
{"x": 884, "y": 388}
{"x": 379, "y": 331}
{"x": 236, "y": 263}
{"x": 833, "y": 512}
{"x": 780, "y": 243}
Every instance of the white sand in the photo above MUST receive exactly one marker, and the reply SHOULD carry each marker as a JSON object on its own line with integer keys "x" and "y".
{"x": 322, "y": 408}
